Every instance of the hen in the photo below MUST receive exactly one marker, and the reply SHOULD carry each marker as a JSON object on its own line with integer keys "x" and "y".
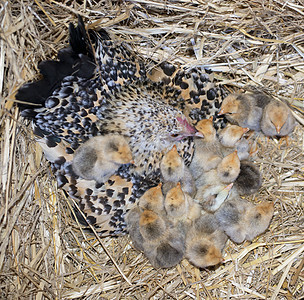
{"x": 99, "y": 87}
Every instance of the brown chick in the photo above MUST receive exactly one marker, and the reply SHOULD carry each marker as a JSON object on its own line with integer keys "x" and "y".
{"x": 229, "y": 168}
{"x": 242, "y": 220}
{"x": 163, "y": 244}
{"x": 231, "y": 138}
{"x": 205, "y": 242}
{"x": 231, "y": 135}
{"x": 152, "y": 199}
{"x": 100, "y": 156}
{"x": 174, "y": 170}
{"x": 169, "y": 251}
{"x": 244, "y": 110}
{"x": 277, "y": 119}
{"x": 180, "y": 207}
{"x": 176, "y": 204}
{"x": 152, "y": 226}
{"x": 132, "y": 220}
{"x": 154, "y": 235}
{"x": 207, "y": 154}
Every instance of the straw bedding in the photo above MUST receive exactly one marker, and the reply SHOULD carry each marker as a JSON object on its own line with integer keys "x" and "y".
{"x": 44, "y": 253}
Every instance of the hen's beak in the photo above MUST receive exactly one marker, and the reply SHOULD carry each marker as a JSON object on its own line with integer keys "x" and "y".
{"x": 188, "y": 130}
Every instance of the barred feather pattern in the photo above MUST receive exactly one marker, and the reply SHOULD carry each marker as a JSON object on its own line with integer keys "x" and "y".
{"x": 121, "y": 97}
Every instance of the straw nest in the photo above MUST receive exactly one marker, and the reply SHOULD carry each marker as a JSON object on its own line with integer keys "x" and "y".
{"x": 44, "y": 254}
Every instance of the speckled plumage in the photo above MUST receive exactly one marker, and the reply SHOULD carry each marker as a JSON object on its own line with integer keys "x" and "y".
{"x": 98, "y": 86}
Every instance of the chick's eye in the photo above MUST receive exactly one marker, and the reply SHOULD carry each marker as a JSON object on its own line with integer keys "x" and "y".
{"x": 174, "y": 135}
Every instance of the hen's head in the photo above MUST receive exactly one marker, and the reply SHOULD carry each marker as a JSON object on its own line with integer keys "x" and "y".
{"x": 183, "y": 129}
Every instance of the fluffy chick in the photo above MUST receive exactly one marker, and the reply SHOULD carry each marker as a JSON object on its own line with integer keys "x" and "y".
{"x": 173, "y": 170}
{"x": 152, "y": 226}
{"x": 229, "y": 168}
{"x": 180, "y": 207}
{"x": 152, "y": 199}
{"x": 100, "y": 156}
{"x": 249, "y": 180}
{"x": 168, "y": 252}
{"x": 163, "y": 245}
{"x": 242, "y": 220}
{"x": 277, "y": 119}
{"x": 245, "y": 110}
{"x": 132, "y": 220}
{"x": 205, "y": 242}
{"x": 212, "y": 196}
{"x": 231, "y": 137}
{"x": 207, "y": 154}
{"x": 176, "y": 204}
{"x": 154, "y": 235}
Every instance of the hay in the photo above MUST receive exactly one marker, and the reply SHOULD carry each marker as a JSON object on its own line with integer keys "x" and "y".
{"x": 44, "y": 254}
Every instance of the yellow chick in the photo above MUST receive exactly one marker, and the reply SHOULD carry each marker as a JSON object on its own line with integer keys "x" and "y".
{"x": 212, "y": 196}
{"x": 229, "y": 168}
{"x": 180, "y": 207}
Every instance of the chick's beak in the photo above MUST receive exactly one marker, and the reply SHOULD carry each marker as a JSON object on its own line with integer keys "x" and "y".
{"x": 221, "y": 112}
{"x": 199, "y": 134}
{"x": 223, "y": 194}
{"x": 278, "y": 128}
{"x": 229, "y": 187}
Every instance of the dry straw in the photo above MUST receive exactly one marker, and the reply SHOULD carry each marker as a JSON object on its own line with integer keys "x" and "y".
{"x": 44, "y": 254}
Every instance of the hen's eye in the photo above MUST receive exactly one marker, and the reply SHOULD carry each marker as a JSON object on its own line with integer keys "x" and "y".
{"x": 174, "y": 135}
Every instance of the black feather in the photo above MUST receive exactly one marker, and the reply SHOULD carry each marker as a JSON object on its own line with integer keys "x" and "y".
{"x": 75, "y": 60}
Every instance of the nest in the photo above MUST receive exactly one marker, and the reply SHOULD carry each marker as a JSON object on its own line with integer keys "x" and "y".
{"x": 45, "y": 254}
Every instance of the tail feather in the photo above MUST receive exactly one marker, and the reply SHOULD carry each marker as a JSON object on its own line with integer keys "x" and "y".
{"x": 75, "y": 60}
{"x": 78, "y": 38}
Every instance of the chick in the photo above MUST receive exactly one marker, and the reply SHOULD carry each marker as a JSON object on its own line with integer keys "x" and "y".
{"x": 176, "y": 204}
{"x": 229, "y": 168}
{"x": 154, "y": 235}
{"x": 277, "y": 119}
{"x": 163, "y": 244}
{"x": 152, "y": 199}
{"x": 100, "y": 156}
{"x": 207, "y": 153}
{"x": 168, "y": 252}
{"x": 242, "y": 220}
{"x": 212, "y": 196}
{"x": 132, "y": 220}
{"x": 249, "y": 180}
{"x": 205, "y": 241}
{"x": 152, "y": 226}
{"x": 245, "y": 110}
{"x": 231, "y": 135}
{"x": 180, "y": 207}
{"x": 174, "y": 170}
